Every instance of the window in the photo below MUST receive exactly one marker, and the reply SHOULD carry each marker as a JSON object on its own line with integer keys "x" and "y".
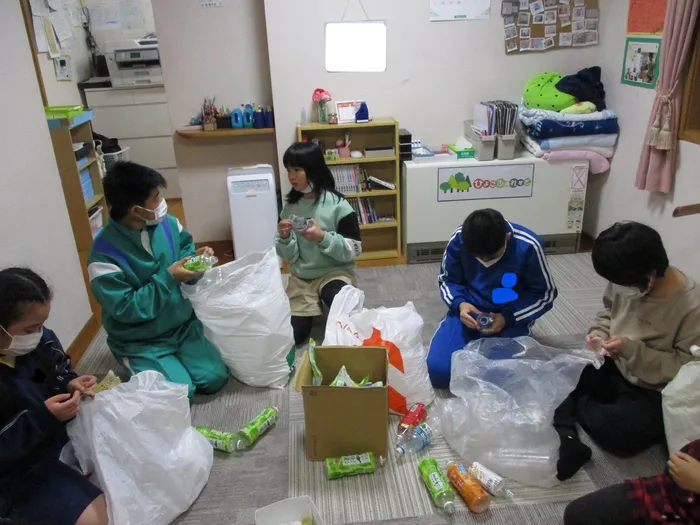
{"x": 690, "y": 120}
{"x": 357, "y": 47}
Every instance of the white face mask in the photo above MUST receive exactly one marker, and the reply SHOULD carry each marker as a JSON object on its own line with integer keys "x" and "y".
{"x": 21, "y": 344}
{"x": 308, "y": 189}
{"x": 489, "y": 264}
{"x": 159, "y": 213}
{"x": 630, "y": 292}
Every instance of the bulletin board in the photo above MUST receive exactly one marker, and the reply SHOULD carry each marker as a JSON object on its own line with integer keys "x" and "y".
{"x": 544, "y": 25}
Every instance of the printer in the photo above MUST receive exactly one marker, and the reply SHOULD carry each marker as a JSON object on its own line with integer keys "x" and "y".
{"x": 134, "y": 62}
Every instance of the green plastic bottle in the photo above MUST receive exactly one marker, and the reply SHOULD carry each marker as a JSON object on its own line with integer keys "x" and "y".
{"x": 250, "y": 433}
{"x": 351, "y": 465}
{"x": 440, "y": 490}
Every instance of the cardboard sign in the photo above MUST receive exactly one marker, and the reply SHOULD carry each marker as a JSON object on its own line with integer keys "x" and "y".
{"x": 492, "y": 182}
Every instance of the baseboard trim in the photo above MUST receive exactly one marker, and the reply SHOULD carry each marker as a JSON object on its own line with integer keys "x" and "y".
{"x": 80, "y": 344}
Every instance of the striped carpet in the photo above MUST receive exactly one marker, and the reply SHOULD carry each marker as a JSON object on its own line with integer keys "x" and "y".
{"x": 276, "y": 467}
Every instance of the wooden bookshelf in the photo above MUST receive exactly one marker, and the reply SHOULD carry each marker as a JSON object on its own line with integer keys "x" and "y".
{"x": 200, "y": 134}
{"x": 381, "y": 240}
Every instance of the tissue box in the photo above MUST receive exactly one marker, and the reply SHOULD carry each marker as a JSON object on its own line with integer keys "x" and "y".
{"x": 288, "y": 511}
{"x": 467, "y": 153}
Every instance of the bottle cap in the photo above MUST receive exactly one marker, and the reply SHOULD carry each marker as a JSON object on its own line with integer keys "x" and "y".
{"x": 400, "y": 450}
{"x": 449, "y": 507}
{"x": 240, "y": 445}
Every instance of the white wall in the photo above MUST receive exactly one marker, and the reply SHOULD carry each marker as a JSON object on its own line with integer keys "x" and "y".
{"x": 124, "y": 34}
{"x": 435, "y": 74}
{"x": 31, "y": 196}
{"x": 613, "y": 197}
{"x": 219, "y": 52}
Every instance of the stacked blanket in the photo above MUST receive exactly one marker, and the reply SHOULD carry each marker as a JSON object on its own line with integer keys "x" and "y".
{"x": 589, "y": 136}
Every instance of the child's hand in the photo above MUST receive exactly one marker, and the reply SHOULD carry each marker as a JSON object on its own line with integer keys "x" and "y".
{"x": 64, "y": 406}
{"x": 685, "y": 471}
{"x": 284, "y": 228}
{"x": 313, "y": 233}
{"x": 497, "y": 325}
{"x": 205, "y": 250}
{"x": 82, "y": 384}
{"x": 182, "y": 274}
{"x": 614, "y": 344}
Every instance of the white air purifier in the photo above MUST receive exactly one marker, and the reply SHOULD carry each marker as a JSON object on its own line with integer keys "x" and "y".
{"x": 252, "y": 198}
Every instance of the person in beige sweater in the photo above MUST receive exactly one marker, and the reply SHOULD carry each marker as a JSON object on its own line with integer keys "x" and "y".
{"x": 649, "y": 321}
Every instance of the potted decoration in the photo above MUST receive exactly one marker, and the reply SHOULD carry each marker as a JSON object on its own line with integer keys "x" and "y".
{"x": 223, "y": 118}
{"x": 321, "y": 97}
{"x": 209, "y": 115}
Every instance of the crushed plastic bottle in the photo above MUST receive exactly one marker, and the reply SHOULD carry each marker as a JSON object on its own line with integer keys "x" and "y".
{"x": 417, "y": 440}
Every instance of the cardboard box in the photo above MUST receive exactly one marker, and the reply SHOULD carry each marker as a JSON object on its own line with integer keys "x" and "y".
{"x": 341, "y": 421}
{"x": 288, "y": 510}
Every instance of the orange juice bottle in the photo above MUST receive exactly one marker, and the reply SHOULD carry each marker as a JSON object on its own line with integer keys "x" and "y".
{"x": 474, "y": 496}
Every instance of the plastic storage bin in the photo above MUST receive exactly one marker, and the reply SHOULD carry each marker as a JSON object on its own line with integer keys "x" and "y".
{"x": 484, "y": 147}
{"x": 506, "y": 147}
{"x": 112, "y": 158}
{"x": 86, "y": 184}
{"x": 62, "y": 112}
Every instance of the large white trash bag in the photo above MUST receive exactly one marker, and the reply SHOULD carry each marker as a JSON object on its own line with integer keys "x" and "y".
{"x": 681, "y": 407}
{"x": 138, "y": 442}
{"x": 400, "y": 330}
{"x": 245, "y": 313}
{"x": 507, "y": 391}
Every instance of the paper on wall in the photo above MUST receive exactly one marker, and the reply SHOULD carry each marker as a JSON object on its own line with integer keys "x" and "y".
{"x": 73, "y": 12}
{"x": 42, "y": 45}
{"x": 54, "y": 47}
{"x": 105, "y": 16}
{"x": 60, "y": 23}
{"x": 447, "y": 10}
{"x": 54, "y": 4}
{"x": 39, "y": 7}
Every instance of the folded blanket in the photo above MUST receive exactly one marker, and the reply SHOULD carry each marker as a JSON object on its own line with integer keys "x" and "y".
{"x": 579, "y": 142}
{"x": 533, "y": 147}
{"x": 530, "y": 144}
{"x": 547, "y": 129}
{"x": 597, "y": 163}
{"x": 529, "y": 116}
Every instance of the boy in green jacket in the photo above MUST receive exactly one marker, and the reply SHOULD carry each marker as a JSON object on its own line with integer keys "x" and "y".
{"x": 136, "y": 266}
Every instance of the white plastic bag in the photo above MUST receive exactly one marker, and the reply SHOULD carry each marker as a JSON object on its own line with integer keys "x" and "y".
{"x": 507, "y": 391}
{"x": 138, "y": 442}
{"x": 245, "y": 313}
{"x": 400, "y": 330}
{"x": 681, "y": 407}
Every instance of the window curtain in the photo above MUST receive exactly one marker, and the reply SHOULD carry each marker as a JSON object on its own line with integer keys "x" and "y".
{"x": 657, "y": 164}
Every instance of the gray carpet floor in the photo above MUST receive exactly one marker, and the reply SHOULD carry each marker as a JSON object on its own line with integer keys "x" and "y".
{"x": 276, "y": 468}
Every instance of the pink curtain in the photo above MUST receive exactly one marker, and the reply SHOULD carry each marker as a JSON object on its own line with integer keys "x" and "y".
{"x": 657, "y": 164}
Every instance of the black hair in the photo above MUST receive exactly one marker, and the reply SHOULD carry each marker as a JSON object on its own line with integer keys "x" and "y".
{"x": 20, "y": 287}
{"x": 484, "y": 232}
{"x": 129, "y": 184}
{"x": 308, "y": 156}
{"x": 629, "y": 253}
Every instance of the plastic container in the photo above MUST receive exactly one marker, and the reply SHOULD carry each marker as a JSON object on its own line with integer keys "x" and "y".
{"x": 256, "y": 428}
{"x": 417, "y": 440}
{"x": 62, "y": 112}
{"x": 96, "y": 221}
{"x": 473, "y": 495}
{"x": 414, "y": 417}
{"x": 442, "y": 495}
{"x": 120, "y": 156}
{"x": 484, "y": 147}
{"x": 492, "y": 482}
{"x": 483, "y": 320}
{"x": 223, "y": 441}
{"x": 201, "y": 263}
{"x": 300, "y": 510}
{"x": 506, "y": 147}
{"x": 354, "y": 465}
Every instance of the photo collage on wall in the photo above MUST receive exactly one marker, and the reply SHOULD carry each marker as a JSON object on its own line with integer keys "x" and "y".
{"x": 543, "y": 25}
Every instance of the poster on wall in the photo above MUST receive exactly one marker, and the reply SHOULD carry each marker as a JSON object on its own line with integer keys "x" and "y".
{"x": 646, "y": 17}
{"x": 493, "y": 182}
{"x": 640, "y": 66}
{"x": 450, "y": 10}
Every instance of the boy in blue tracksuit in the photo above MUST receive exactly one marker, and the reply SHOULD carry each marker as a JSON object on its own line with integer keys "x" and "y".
{"x": 494, "y": 267}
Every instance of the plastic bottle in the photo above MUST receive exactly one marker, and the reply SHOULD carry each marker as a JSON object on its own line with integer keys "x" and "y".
{"x": 414, "y": 417}
{"x": 417, "y": 440}
{"x": 492, "y": 482}
{"x": 352, "y": 465}
{"x": 248, "y": 114}
{"x": 237, "y": 118}
{"x": 304, "y": 120}
{"x": 250, "y": 433}
{"x": 473, "y": 495}
{"x": 441, "y": 493}
{"x": 223, "y": 441}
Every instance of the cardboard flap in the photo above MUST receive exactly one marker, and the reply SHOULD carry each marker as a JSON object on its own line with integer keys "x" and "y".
{"x": 304, "y": 374}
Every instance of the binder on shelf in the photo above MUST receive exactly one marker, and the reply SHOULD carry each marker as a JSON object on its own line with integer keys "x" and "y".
{"x": 384, "y": 183}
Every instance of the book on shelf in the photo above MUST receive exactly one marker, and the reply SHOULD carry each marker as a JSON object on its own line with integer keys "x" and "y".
{"x": 350, "y": 178}
{"x": 364, "y": 209}
{"x": 380, "y": 182}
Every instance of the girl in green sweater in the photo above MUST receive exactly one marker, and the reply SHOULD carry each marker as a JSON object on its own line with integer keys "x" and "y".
{"x": 321, "y": 253}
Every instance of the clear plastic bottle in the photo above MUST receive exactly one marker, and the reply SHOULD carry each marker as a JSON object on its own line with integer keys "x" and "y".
{"x": 304, "y": 120}
{"x": 440, "y": 491}
{"x": 417, "y": 440}
{"x": 414, "y": 417}
{"x": 492, "y": 482}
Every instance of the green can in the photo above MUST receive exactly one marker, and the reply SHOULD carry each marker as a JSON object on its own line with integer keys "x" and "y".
{"x": 440, "y": 491}
{"x": 223, "y": 441}
{"x": 250, "y": 433}
{"x": 350, "y": 465}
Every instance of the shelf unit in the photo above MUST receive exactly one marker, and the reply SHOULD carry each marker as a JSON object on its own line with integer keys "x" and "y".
{"x": 382, "y": 239}
{"x": 200, "y": 134}
{"x": 65, "y": 132}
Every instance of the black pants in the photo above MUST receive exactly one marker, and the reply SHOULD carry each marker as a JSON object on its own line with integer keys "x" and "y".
{"x": 302, "y": 325}
{"x": 620, "y": 417}
{"x": 608, "y": 506}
